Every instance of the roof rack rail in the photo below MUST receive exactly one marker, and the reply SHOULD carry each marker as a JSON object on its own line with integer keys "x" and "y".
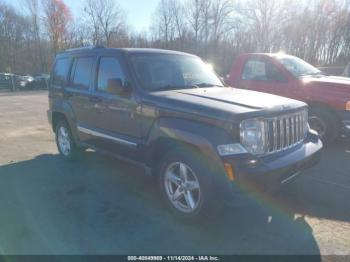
{"x": 93, "y": 47}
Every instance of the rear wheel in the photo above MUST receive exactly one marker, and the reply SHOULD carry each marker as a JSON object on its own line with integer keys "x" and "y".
{"x": 325, "y": 123}
{"x": 65, "y": 141}
{"x": 187, "y": 185}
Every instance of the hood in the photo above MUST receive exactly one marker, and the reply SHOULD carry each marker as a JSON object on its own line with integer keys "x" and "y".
{"x": 335, "y": 82}
{"x": 225, "y": 102}
{"x": 330, "y": 89}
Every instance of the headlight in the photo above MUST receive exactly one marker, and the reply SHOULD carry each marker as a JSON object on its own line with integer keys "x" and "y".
{"x": 347, "y": 106}
{"x": 253, "y": 136}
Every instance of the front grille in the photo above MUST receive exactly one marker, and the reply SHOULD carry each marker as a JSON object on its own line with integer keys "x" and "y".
{"x": 286, "y": 131}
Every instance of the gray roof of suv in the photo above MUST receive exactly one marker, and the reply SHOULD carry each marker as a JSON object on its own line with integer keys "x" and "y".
{"x": 98, "y": 49}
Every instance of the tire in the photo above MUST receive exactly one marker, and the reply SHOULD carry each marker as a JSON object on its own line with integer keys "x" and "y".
{"x": 325, "y": 123}
{"x": 200, "y": 182}
{"x": 65, "y": 141}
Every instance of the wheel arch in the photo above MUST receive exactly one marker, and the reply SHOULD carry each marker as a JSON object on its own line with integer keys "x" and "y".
{"x": 172, "y": 132}
{"x": 62, "y": 110}
{"x": 56, "y": 117}
{"x": 323, "y": 106}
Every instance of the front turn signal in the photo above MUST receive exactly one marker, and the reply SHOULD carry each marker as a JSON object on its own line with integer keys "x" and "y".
{"x": 229, "y": 172}
{"x": 348, "y": 106}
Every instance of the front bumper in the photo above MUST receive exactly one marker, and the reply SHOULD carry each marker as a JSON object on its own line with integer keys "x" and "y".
{"x": 271, "y": 172}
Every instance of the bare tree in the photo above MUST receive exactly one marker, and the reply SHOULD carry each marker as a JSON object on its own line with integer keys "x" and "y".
{"x": 15, "y": 40}
{"x": 218, "y": 30}
{"x": 57, "y": 17}
{"x": 178, "y": 14}
{"x": 206, "y": 20}
{"x": 194, "y": 15}
{"x": 263, "y": 16}
{"x": 163, "y": 25}
{"x": 105, "y": 18}
{"x": 221, "y": 11}
{"x": 169, "y": 22}
{"x": 32, "y": 7}
{"x": 79, "y": 35}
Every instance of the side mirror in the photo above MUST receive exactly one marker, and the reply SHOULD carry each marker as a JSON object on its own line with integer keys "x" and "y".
{"x": 116, "y": 87}
{"x": 223, "y": 80}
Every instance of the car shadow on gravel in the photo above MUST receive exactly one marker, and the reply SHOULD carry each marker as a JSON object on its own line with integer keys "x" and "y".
{"x": 324, "y": 190}
{"x": 102, "y": 206}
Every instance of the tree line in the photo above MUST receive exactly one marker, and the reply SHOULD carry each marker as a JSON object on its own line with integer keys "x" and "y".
{"x": 217, "y": 30}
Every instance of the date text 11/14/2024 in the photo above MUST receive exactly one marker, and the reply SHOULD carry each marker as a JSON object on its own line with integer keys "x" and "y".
{"x": 173, "y": 258}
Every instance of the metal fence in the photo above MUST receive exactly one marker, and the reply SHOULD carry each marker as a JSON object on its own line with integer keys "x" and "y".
{"x": 12, "y": 82}
{"x": 7, "y": 82}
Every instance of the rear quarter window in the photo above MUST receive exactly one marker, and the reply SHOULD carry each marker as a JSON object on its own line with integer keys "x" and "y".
{"x": 60, "y": 72}
{"x": 260, "y": 70}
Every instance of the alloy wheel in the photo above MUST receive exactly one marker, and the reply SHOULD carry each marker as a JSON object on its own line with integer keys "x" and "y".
{"x": 317, "y": 124}
{"x": 64, "y": 141}
{"x": 182, "y": 187}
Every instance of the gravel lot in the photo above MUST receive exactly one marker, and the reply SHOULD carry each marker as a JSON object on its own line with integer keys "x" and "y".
{"x": 102, "y": 206}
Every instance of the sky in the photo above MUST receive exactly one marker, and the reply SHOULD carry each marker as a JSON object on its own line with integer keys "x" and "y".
{"x": 139, "y": 12}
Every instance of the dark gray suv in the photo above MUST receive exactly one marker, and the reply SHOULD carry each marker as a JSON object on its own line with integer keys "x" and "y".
{"x": 169, "y": 113}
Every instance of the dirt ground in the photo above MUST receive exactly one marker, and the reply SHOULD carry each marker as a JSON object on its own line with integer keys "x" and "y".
{"x": 102, "y": 206}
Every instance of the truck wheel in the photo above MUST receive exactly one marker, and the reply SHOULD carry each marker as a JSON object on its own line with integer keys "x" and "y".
{"x": 325, "y": 123}
{"x": 187, "y": 185}
{"x": 65, "y": 141}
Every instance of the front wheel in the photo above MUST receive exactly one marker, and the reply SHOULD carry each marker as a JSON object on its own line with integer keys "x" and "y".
{"x": 187, "y": 185}
{"x": 325, "y": 123}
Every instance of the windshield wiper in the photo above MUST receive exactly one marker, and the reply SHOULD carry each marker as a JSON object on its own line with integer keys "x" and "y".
{"x": 172, "y": 87}
{"x": 207, "y": 85}
{"x": 312, "y": 74}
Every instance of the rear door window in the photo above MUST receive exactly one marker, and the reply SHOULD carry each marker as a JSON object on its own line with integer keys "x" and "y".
{"x": 81, "y": 77}
{"x": 60, "y": 72}
{"x": 254, "y": 70}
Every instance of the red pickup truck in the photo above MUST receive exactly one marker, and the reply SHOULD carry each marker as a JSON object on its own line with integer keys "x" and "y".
{"x": 328, "y": 97}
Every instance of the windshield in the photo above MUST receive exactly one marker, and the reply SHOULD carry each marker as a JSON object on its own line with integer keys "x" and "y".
{"x": 168, "y": 71}
{"x": 298, "y": 67}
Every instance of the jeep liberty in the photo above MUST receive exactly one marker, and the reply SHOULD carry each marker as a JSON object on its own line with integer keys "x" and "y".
{"x": 170, "y": 114}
